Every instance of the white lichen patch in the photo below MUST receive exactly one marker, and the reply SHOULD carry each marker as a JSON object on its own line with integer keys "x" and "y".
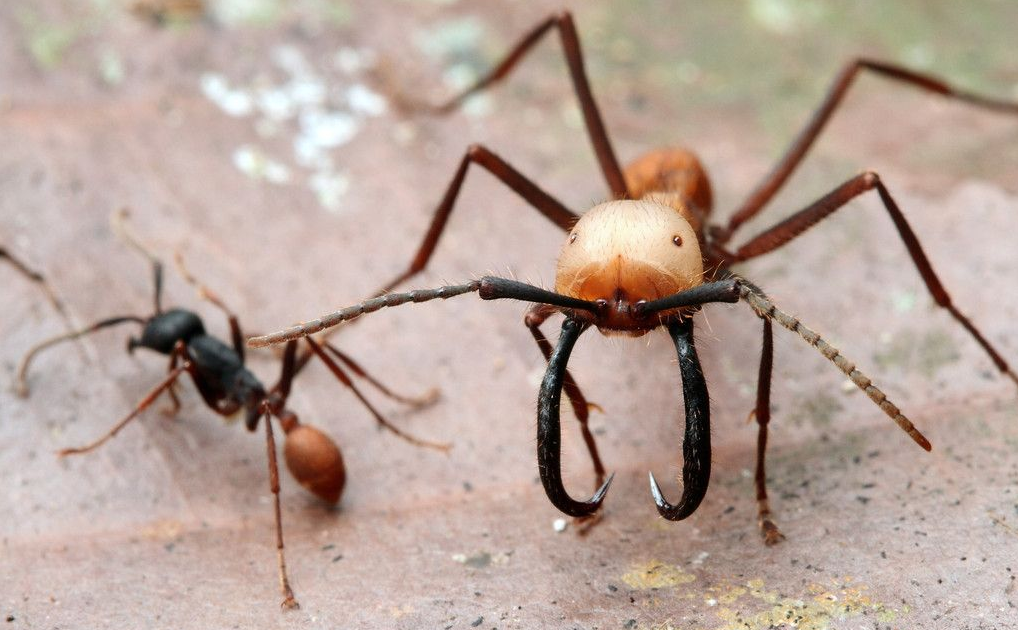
{"x": 318, "y": 105}
{"x": 256, "y": 165}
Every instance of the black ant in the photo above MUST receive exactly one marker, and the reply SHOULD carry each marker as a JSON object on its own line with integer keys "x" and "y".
{"x": 648, "y": 259}
{"x": 227, "y": 387}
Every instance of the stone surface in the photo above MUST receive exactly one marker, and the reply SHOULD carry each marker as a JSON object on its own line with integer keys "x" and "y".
{"x": 259, "y": 141}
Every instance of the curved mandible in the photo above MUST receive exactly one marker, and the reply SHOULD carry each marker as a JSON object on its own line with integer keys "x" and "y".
{"x": 549, "y": 433}
{"x": 696, "y": 444}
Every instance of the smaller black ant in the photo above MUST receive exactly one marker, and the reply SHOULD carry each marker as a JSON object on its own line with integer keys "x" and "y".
{"x": 227, "y": 387}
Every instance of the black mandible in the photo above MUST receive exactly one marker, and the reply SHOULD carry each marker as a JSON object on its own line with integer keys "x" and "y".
{"x": 549, "y": 433}
{"x": 696, "y": 444}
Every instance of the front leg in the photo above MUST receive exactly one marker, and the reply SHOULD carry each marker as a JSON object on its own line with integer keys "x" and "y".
{"x": 770, "y": 532}
{"x": 541, "y": 201}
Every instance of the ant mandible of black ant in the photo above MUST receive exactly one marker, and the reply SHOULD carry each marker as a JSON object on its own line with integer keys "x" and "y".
{"x": 227, "y": 387}
{"x": 648, "y": 259}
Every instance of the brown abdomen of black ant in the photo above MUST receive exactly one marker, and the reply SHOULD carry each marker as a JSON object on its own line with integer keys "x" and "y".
{"x": 673, "y": 177}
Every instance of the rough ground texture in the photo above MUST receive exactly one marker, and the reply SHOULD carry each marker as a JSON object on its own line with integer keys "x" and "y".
{"x": 170, "y": 524}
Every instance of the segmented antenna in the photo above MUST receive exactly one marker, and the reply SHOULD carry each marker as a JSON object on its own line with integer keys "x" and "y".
{"x": 765, "y": 308}
{"x": 367, "y": 306}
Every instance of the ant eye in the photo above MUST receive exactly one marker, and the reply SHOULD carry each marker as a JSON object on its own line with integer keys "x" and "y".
{"x": 677, "y": 240}
{"x": 572, "y": 238}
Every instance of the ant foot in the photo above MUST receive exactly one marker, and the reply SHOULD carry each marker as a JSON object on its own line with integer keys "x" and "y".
{"x": 770, "y": 532}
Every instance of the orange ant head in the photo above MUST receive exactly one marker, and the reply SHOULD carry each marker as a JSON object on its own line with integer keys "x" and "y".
{"x": 315, "y": 462}
{"x": 623, "y": 252}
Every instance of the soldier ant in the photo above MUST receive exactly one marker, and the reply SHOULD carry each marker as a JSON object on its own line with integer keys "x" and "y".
{"x": 647, "y": 258}
{"x": 227, "y": 387}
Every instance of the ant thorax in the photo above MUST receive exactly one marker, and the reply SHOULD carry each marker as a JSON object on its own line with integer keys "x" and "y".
{"x": 629, "y": 251}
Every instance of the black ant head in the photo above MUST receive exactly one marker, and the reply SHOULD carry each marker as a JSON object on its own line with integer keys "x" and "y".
{"x": 621, "y": 253}
{"x": 163, "y": 330}
{"x": 313, "y": 458}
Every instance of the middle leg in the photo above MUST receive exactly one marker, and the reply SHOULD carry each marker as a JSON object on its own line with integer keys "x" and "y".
{"x": 798, "y": 223}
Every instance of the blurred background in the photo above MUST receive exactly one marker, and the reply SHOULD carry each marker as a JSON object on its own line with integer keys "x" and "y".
{"x": 263, "y": 140}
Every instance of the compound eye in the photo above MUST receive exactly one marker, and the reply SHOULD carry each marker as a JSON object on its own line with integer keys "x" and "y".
{"x": 677, "y": 240}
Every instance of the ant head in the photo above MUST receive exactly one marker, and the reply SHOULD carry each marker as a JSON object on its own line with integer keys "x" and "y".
{"x": 163, "y": 330}
{"x": 623, "y": 252}
{"x": 314, "y": 460}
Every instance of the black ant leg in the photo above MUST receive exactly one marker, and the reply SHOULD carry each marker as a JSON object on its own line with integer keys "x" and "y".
{"x": 549, "y": 432}
{"x": 770, "y": 185}
{"x": 696, "y": 443}
{"x": 771, "y": 534}
{"x": 414, "y": 401}
{"x": 799, "y": 222}
{"x": 544, "y": 203}
{"x": 581, "y": 407}
{"x": 172, "y": 389}
{"x": 345, "y": 380}
{"x": 145, "y": 402}
{"x": 289, "y": 601}
{"x": 563, "y": 21}
{"x": 22, "y": 383}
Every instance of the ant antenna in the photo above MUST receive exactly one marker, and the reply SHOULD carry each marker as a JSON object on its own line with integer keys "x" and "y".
{"x": 204, "y": 292}
{"x": 488, "y": 287}
{"x": 118, "y": 222}
{"x": 765, "y": 308}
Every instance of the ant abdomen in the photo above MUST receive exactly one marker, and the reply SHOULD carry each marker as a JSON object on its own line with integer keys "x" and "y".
{"x": 315, "y": 462}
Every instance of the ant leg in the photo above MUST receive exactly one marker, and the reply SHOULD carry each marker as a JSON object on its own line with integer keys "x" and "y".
{"x": 206, "y": 294}
{"x": 22, "y": 383}
{"x": 118, "y": 221}
{"x": 270, "y": 446}
{"x": 544, "y": 203}
{"x": 771, "y": 534}
{"x": 145, "y": 402}
{"x": 773, "y": 181}
{"x": 172, "y": 389}
{"x": 379, "y": 418}
{"x": 563, "y": 21}
{"x": 799, "y": 222}
{"x": 766, "y": 309}
{"x": 581, "y": 407}
{"x": 414, "y": 401}
{"x": 37, "y": 278}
